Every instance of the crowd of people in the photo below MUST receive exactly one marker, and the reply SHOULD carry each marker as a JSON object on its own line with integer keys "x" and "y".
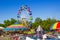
{"x": 18, "y": 36}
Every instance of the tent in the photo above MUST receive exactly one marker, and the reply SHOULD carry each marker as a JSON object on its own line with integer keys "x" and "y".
{"x": 39, "y": 32}
{"x": 39, "y": 28}
{"x": 1, "y": 28}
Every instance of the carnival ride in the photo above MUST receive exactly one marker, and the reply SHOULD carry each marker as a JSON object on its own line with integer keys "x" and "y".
{"x": 22, "y": 24}
{"x": 23, "y": 18}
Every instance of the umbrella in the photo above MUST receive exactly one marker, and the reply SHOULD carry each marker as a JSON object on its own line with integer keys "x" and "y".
{"x": 55, "y": 26}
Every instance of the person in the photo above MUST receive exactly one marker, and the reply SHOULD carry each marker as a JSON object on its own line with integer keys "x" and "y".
{"x": 44, "y": 36}
{"x": 15, "y": 37}
{"x": 28, "y": 38}
{"x": 22, "y": 37}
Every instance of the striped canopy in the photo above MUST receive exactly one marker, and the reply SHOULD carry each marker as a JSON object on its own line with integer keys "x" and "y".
{"x": 55, "y": 26}
{"x": 16, "y": 27}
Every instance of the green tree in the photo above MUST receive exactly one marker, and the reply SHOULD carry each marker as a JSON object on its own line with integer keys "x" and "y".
{"x": 13, "y": 21}
{"x": 47, "y": 23}
{"x": 2, "y": 25}
{"x": 38, "y": 20}
{"x": 9, "y": 22}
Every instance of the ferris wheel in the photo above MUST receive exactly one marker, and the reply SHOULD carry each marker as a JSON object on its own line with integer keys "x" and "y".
{"x": 24, "y": 18}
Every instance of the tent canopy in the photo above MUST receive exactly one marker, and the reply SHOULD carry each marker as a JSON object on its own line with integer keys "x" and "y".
{"x": 1, "y": 27}
{"x": 16, "y": 27}
{"x": 39, "y": 28}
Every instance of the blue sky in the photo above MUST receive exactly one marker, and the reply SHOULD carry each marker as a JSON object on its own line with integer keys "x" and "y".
{"x": 40, "y": 8}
